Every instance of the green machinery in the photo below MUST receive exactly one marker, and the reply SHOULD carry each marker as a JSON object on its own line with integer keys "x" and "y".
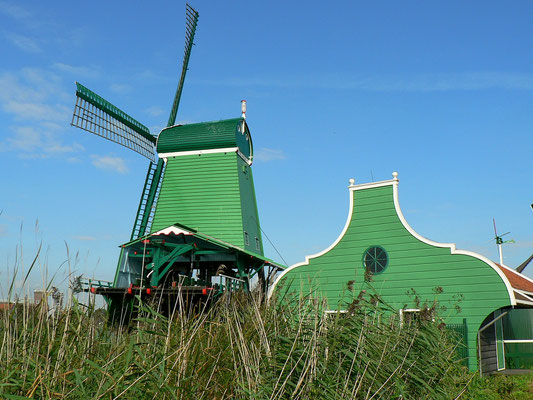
{"x": 196, "y": 233}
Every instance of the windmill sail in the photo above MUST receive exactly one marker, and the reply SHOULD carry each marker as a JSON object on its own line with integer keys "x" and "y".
{"x": 190, "y": 30}
{"x": 152, "y": 185}
{"x": 96, "y": 115}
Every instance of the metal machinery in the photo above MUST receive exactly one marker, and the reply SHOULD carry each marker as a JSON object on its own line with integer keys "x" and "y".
{"x": 196, "y": 233}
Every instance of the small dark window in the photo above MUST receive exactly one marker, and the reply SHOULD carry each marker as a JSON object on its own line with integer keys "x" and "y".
{"x": 375, "y": 259}
{"x": 257, "y": 245}
{"x": 246, "y": 239}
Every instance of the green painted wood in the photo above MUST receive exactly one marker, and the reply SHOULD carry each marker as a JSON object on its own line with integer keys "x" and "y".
{"x": 108, "y": 108}
{"x": 190, "y": 30}
{"x": 469, "y": 287}
{"x": 250, "y": 216}
{"x": 206, "y": 136}
{"x": 212, "y": 193}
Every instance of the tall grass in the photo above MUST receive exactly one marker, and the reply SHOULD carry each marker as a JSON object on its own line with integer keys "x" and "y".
{"x": 241, "y": 348}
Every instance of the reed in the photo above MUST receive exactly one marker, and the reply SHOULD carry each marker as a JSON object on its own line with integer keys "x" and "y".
{"x": 240, "y": 348}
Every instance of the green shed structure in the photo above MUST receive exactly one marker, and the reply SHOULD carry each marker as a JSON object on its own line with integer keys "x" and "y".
{"x": 476, "y": 292}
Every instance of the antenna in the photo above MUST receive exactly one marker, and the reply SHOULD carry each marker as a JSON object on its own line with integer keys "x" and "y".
{"x": 243, "y": 109}
{"x": 243, "y": 116}
{"x": 500, "y": 241}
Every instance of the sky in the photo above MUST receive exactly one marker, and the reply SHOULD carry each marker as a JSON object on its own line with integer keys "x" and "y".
{"x": 441, "y": 92}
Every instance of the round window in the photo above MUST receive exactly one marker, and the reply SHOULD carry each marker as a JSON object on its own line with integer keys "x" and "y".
{"x": 375, "y": 259}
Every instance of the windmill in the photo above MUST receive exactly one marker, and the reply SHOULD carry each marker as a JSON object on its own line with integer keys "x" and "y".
{"x": 196, "y": 229}
{"x": 499, "y": 240}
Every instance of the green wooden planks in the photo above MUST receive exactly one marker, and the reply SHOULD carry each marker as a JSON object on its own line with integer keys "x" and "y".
{"x": 469, "y": 287}
{"x": 214, "y": 194}
{"x": 206, "y": 136}
{"x": 202, "y": 192}
{"x": 250, "y": 217}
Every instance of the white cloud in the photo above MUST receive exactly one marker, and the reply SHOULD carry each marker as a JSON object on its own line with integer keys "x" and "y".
{"x": 34, "y": 93}
{"x": 155, "y": 129}
{"x": 120, "y": 88}
{"x": 31, "y": 142}
{"x": 36, "y": 101}
{"x": 13, "y": 10}
{"x": 155, "y": 111}
{"x": 110, "y": 163}
{"x": 524, "y": 243}
{"x": 59, "y": 148}
{"x": 37, "y": 111}
{"x": 79, "y": 72}
{"x": 24, "y": 43}
{"x": 26, "y": 138}
{"x": 84, "y": 238}
{"x": 265, "y": 154}
{"x": 467, "y": 81}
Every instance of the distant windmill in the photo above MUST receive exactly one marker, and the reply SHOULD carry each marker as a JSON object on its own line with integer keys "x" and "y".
{"x": 500, "y": 241}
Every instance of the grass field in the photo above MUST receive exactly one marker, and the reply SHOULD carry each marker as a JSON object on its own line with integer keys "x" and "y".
{"x": 241, "y": 348}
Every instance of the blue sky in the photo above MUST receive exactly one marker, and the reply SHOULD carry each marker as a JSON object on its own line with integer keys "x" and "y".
{"x": 441, "y": 92}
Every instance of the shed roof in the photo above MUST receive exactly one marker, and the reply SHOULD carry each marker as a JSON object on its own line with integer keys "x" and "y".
{"x": 179, "y": 229}
{"x": 517, "y": 280}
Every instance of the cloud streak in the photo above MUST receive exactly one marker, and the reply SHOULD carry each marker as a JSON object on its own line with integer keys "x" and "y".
{"x": 35, "y": 100}
{"x": 77, "y": 71}
{"x": 265, "y": 154}
{"x": 467, "y": 81}
{"x": 13, "y": 10}
{"x": 84, "y": 238}
{"x": 24, "y": 43}
{"x": 110, "y": 163}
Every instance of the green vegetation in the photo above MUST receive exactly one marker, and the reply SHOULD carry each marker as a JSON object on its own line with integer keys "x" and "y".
{"x": 500, "y": 387}
{"x": 240, "y": 348}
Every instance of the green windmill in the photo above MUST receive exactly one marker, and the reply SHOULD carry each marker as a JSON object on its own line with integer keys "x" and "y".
{"x": 196, "y": 232}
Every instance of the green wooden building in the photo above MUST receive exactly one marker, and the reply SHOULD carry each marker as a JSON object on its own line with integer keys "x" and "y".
{"x": 475, "y": 292}
{"x": 207, "y": 193}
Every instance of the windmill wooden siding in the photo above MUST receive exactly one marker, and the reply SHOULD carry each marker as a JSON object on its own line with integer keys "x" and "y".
{"x": 205, "y": 135}
{"x": 416, "y": 266}
{"x": 210, "y": 190}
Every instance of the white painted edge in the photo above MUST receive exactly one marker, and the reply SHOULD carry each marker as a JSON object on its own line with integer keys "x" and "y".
{"x": 172, "y": 229}
{"x": 517, "y": 273}
{"x": 524, "y": 302}
{"x": 198, "y": 152}
{"x": 394, "y": 182}
{"x": 517, "y": 341}
{"x": 525, "y": 293}
{"x": 451, "y": 246}
{"x": 246, "y": 160}
{"x": 165, "y": 156}
{"x": 307, "y": 258}
{"x": 372, "y": 185}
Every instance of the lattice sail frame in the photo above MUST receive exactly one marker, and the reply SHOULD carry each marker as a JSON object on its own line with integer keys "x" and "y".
{"x": 191, "y": 18}
{"x": 96, "y": 115}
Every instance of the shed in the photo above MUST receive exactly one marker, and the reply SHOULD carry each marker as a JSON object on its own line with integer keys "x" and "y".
{"x": 476, "y": 292}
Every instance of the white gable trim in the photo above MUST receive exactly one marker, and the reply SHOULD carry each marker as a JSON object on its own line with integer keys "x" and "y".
{"x": 198, "y": 152}
{"x": 166, "y": 156}
{"x": 172, "y": 229}
{"x": 307, "y": 258}
{"x": 452, "y": 247}
{"x": 394, "y": 182}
